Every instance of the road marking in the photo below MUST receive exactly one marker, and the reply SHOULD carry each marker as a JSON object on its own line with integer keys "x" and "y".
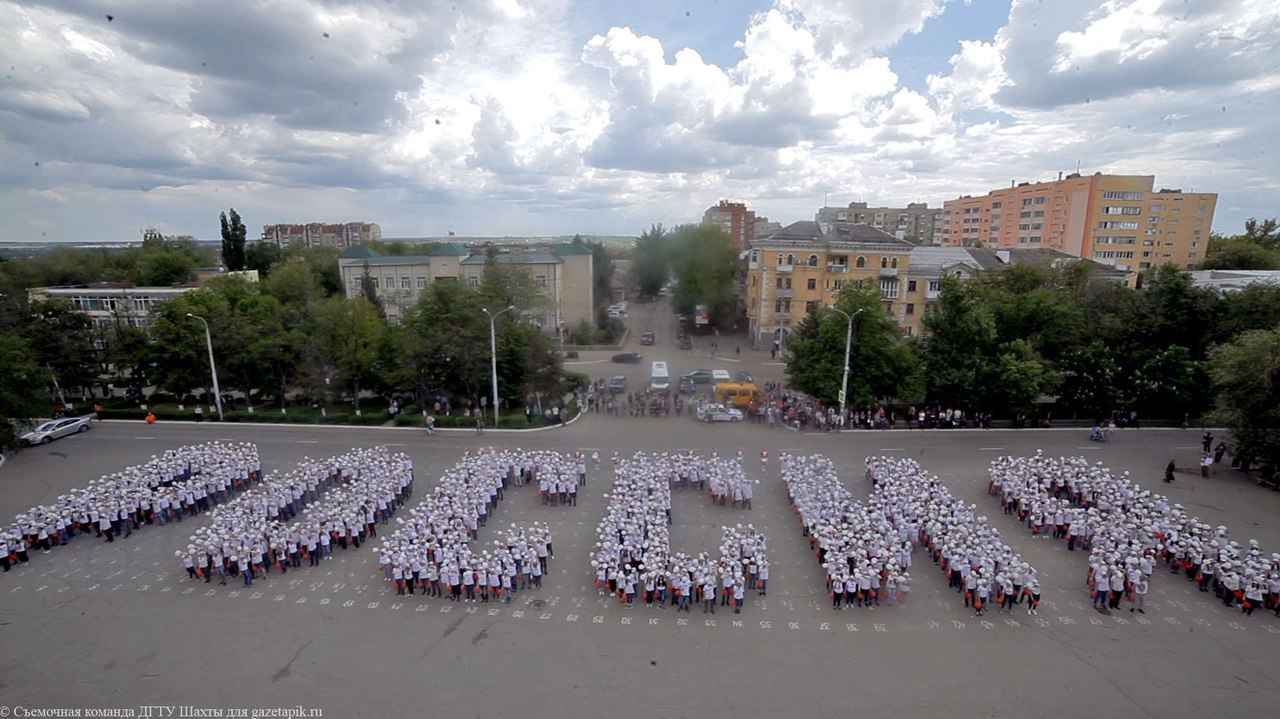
{"x": 893, "y": 449}
{"x": 144, "y": 437}
{"x": 308, "y": 441}
{"x": 991, "y": 449}
{"x": 1088, "y": 448}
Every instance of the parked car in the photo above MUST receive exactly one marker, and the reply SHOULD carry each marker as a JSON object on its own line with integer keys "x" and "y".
{"x": 718, "y": 413}
{"x": 628, "y": 358}
{"x": 55, "y": 428}
{"x": 647, "y": 339}
{"x": 685, "y": 342}
{"x": 700, "y": 376}
{"x": 746, "y": 377}
{"x": 687, "y": 386}
{"x": 618, "y": 383}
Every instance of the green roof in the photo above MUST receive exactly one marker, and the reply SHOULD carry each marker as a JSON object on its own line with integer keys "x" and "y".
{"x": 451, "y": 248}
{"x": 571, "y": 248}
{"x": 398, "y": 260}
{"x": 524, "y": 258}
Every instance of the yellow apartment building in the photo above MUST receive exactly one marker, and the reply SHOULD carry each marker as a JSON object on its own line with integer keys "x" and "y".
{"x": 804, "y": 265}
{"x": 1119, "y": 220}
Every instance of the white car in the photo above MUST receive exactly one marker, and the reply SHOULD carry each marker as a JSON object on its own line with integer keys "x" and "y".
{"x": 718, "y": 413}
{"x": 55, "y": 428}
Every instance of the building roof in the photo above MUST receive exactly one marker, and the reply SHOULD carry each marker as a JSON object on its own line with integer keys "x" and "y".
{"x": 523, "y": 258}
{"x": 358, "y": 251}
{"x": 926, "y": 259}
{"x": 808, "y": 231}
{"x": 385, "y": 260}
{"x": 1234, "y": 280}
{"x": 574, "y": 247}
{"x": 451, "y": 248}
{"x": 989, "y": 258}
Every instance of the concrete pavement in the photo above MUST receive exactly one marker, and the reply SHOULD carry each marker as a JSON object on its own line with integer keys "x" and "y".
{"x": 96, "y": 625}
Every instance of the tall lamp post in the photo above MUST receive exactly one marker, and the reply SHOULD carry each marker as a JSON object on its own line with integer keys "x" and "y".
{"x": 493, "y": 353}
{"x": 848, "y": 346}
{"x": 213, "y": 369}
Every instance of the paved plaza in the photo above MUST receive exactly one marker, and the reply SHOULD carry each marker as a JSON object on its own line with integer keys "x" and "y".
{"x": 119, "y": 625}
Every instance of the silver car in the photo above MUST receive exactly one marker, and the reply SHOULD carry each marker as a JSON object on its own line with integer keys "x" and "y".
{"x": 46, "y": 432}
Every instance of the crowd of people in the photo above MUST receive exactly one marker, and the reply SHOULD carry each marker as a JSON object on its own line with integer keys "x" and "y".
{"x": 558, "y": 475}
{"x": 633, "y": 559}
{"x": 1129, "y": 532}
{"x": 300, "y": 515}
{"x": 432, "y": 551}
{"x": 179, "y": 483}
{"x": 962, "y": 544}
{"x": 865, "y": 549}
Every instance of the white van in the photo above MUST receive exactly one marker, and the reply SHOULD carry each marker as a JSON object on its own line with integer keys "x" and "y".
{"x": 659, "y": 378}
{"x": 720, "y": 375}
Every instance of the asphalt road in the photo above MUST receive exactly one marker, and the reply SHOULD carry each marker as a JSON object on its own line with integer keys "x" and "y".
{"x": 94, "y": 625}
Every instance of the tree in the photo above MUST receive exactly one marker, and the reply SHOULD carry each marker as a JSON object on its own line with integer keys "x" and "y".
{"x": 263, "y": 257}
{"x": 166, "y": 268}
{"x": 704, "y": 261}
{"x": 1020, "y": 376}
{"x": 960, "y": 347}
{"x": 233, "y": 239}
{"x": 445, "y": 344}
{"x": 349, "y": 335}
{"x": 61, "y": 339}
{"x": 369, "y": 289}
{"x": 1090, "y": 375}
{"x": 649, "y": 261}
{"x": 881, "y": 364}
{"x": 1246, "y": 379}
{"x": 22, "y": 380}
{"x": 1257, "y": 248}
{"x": 601, "y": 269}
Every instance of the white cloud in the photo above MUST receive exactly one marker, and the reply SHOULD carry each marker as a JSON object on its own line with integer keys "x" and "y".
{"x": 486, "y": 117}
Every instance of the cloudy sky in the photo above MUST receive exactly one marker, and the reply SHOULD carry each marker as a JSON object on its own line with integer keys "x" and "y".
{"x": 492, "y": 117}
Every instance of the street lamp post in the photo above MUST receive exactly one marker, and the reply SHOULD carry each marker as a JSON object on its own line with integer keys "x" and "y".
{"x": 493, "y": 353}
{"x": 848, "y": 346}
{"x": 213, "y": 369}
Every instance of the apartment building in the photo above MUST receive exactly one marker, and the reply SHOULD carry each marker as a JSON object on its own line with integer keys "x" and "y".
{"x": 1119, "y": 220}
{"x": 736, "y": 219}
{"x": 565, "y": 270}
{"x": 804, "y": 265}
{"x": 916, "y": 222}
{"x": 320, "y": 234}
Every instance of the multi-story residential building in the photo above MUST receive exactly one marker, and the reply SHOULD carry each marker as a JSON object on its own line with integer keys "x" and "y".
{"x": 565, "y": 270}
{"x": 736, "y": 219}
{"x": 916, "y": 222}
{"x": 319, "y": 234}
{"x": 764, "y": 227}
{"x": 110, "y": 305}
{"x": 803, "y": 266}
{"x": 1113, "y": 219}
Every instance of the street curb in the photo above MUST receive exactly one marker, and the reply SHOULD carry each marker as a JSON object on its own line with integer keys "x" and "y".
{"x": 348, "y": 427}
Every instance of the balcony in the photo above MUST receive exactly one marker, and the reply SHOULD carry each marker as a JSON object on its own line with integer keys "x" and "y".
{"x": 784, "y": 293}
{"x": 785, "y": 268}
{"x": 888, "y": 271}
{"x": 838, "y": 268}
{"x": 782, "y": 317}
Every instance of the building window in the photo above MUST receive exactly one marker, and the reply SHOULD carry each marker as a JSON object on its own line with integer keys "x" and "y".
{"x": 473, "y": 281}
{"x": 935, "y": 286}
{"x": 540, "y": 280}
{"x": 911, "y": 307}
{"x": 422, "y": 283}
{"x": 406, "y": 283}
{"x": 1114, "y": 195}
{"x": 813, "y": 260}
{"x": 911, "y": 287}
{"x": 884, "y": 261}
{"x": 791, "y": 259}
{"x": 889, "y": 288}
{"x": 894, "y": 263}
{"x": 813, "y": 284}
{"x": 860, "y": 263}
{"x": 755, "y": 256}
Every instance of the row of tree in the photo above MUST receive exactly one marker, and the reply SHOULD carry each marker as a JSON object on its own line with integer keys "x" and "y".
{"x": 1061, "y": 341}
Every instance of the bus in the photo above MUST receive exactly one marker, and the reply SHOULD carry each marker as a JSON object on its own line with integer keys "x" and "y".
{"x": 659, "y": 378}
{"x": 737, "y": 394}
